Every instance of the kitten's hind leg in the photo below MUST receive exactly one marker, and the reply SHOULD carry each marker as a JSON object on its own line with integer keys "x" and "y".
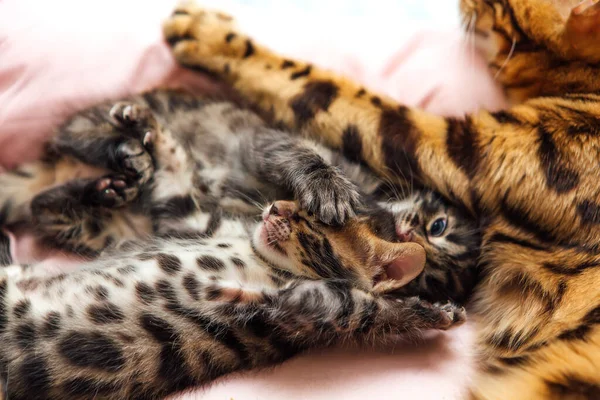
{"x": 322, "y": 312}
{"x": 78, "y": 214}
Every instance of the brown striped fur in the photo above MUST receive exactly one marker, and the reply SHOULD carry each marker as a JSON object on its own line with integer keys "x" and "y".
{"x": 531, "y": 171}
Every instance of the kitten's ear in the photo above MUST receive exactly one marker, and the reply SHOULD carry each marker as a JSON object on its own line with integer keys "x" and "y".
{"x": 402, "y": 262}
{"x": 582, "y": 30}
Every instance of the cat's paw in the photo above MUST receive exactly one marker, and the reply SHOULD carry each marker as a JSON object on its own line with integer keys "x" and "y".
{"x": 435, "y": 316}
{"x": 329, "y": 195}
{"x": 134, "y": 161}
{"x": 196, "y": 34}
{"x": 111, "y": 191}
{"x": 136, "y": 121}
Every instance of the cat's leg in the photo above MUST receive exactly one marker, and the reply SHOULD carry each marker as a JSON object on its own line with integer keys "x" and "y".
{"x": 86, "y": 216}
{"x": 542, "y": 168}
{"x": 325, "y": 312}
{"x": 287, "y": 161}
{"x": 91, "y": 144}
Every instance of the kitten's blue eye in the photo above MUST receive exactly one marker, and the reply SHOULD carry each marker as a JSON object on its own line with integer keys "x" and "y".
{"x": 438, "y": 227}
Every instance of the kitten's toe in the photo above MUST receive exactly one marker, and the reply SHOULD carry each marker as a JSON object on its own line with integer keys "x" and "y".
{"x": 452, "y": 315}
{"x": 125, "y": 114}
{"x": 111, "y": 191}
{"x": 459, "y": 314}
{"x": 135, "y": 161}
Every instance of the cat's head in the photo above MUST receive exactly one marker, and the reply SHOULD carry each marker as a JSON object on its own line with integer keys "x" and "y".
{"x": 294, "y": 240}
{"x": 527, "y": 40}
{"x": 450, "y": 237}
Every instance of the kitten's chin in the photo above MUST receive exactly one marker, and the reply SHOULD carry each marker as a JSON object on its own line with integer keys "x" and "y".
{"x": 270, "y": 250}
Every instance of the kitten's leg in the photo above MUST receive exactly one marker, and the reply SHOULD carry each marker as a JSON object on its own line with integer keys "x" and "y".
{"x": 19, "y": 186}
{"x": 83, "y": 215}
{"x": 133, "y": 330}
{"x": 324, "y": 312}
{"x": 287, "y": 161}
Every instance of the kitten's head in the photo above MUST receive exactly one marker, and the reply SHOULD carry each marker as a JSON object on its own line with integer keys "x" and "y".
{"x": 293, "y": 240}
{"x": 450, "y": 237}
{"x": 526, "y": 39}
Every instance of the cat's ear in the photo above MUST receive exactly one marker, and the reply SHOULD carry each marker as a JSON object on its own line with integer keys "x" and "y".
{"x": 401, "y": 262}
{"x": 582, "y": 30}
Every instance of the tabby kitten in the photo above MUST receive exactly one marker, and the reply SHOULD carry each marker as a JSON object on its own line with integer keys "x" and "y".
{"x": 172, "y": 164}
{"x": 449, "y": 235}
{"x": 158, "y": 317}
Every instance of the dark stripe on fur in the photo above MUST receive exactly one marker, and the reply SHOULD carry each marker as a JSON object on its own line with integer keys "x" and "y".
{"x": 399, "y": 142}
{"x": 558, "y": 176}
{"x": 317, "y": 96}
{"x": 462, "y": 145}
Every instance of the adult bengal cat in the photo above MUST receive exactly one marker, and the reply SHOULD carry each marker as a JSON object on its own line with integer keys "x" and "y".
{"x": 532, "y": 171}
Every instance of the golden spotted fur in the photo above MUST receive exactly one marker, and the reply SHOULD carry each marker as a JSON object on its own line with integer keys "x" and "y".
{"x": 532, "y": 171}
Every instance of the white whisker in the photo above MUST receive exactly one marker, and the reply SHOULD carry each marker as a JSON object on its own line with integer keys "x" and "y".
{"x": 510, "y": 54}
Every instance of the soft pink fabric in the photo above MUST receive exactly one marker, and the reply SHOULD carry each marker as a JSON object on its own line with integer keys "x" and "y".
{"x": 59, "y": 56}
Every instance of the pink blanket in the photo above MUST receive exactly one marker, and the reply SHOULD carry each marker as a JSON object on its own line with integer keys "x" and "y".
{"x": 57, "y": 57}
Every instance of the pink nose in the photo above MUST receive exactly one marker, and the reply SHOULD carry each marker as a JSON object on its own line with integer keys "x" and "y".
{"x": 283, "y": 209}
{"x": 405, "y": 236}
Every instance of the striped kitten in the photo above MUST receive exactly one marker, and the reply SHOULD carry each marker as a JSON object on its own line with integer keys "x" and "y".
{"x": 159, "y": 317}
{"x": 171, "y": 164}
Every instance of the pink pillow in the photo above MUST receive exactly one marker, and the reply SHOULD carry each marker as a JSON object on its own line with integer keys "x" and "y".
{"x": 60, "y": 56}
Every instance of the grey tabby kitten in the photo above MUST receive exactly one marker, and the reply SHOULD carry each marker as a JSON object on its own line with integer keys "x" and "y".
{"x": 169, "y": 163}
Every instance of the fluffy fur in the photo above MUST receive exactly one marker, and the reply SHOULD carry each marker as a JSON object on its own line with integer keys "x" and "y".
{"x": 171, "y": 164}
{"x": 531, "y": 171}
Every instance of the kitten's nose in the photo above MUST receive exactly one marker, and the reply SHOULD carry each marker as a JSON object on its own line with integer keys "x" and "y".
{"x": 283, "y": 209}
{"x": 405, "y": 236}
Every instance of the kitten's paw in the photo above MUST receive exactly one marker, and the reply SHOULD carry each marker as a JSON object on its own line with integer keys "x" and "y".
{"x": 111, "y": 191}
{"x": 135, "y": 161}
{"x": 456, "y": 312}
{"x": 196, "y": 34}
{"x": 436, "y": 316}
{"x": 330, "y": 196}
{"x": 137, "y": 121}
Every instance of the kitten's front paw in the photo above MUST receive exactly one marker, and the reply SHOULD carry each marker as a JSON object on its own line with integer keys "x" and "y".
{"x": 330, "y": 196}
{"x": 111, "y": 191}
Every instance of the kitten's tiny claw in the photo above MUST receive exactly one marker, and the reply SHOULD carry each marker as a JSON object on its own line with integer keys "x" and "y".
{"x": 126, "y": 114}
{"x": 148, "y": 139}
